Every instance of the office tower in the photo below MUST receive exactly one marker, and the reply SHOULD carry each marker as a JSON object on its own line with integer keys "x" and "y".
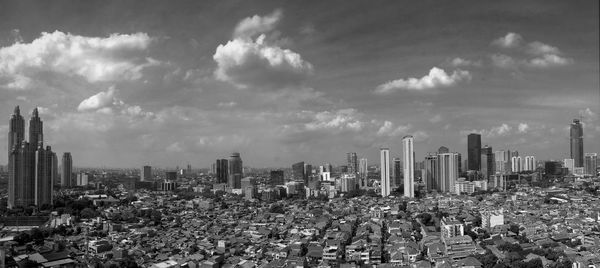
{"x": 222, "y": 170}
{"x": 236, "y": 171}
{"x": 590, "y": 164}
{"x": 516, "y": 164}
{"x": 31, "y": 167}
{"x": 447, "y": 171}
{"x": 443, "y": 150}
{"x": 363, "y": 168}
{"x": 54, "y": 169}
{"x": 276, "y": 177}
{"x": 430, "y": 176}
{"x": 298, "y": 171}
{"x": 530, "y": 164}
{"x": 408, "y": 157}
{"x": 500, "y": 162}
{"x": 307, "y": 173}
{"x": 487, "y": 162}
{"x": 146, "y": 173}
{"x": 43, "y": 175}
{"x": 396, "y": 172}
{"x": 474, "y": 151}
{"x": 67, "y": 170}
{"x": 577, "y": 142}
{"x": 569, "y": 163}
{"x": 385, "y": 171}
{"x": 352, "y": 161}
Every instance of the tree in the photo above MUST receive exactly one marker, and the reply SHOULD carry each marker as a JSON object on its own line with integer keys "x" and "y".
{"x": 87, "y": 213}
{"x": 37, "y": 236}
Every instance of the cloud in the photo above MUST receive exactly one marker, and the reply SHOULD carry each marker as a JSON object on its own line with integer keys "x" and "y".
{"x": 460, "y": 62}
{"x": 436, "y": 119}
{"x": 344, "y": 119}
{"x": 503, "y": 61}
{"x": 388, "y": 129}
{"x": 252, "y": 26}
{"x": 112, "y": 58}
{"x": 539, "y": 48}
{"x": 259, "y": 62}
{"x": 549, "y": 60}
{"x": 523, "y": 127}
{"x": 436, "y": 78}
{"x": 501, "y": 130}
{"x": 101, "y": 100}
{"x": 227, "y": 104}
{"x": 510, "y": 40}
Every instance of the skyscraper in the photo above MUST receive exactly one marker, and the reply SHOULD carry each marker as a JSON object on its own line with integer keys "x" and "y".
{"x": 146, "y": 173}
{"x": 385, "y": 171}
{"x": 396, "y": 172}
{"x": 67, "y": 170}
{"x": 500, "y": 161}
{"x": 487, "y": 162}
{"x": 276, "y": 177}
{"x": 298, "y": 171}
{"x": 474, "y": 151}
{"x": 363, "y": 173}
{"x": 530, "y": 164}
{"x": 590, "y": 163}
{"x": 430, "y": 176}
{"x": 447, "y": 168}
{"x": 408, "y": 157}
{"x": 443, "y": 150}
{"x": 307, "y": 173}
{"x": 577, "y": 142}
{"x": 517, "y": 164}
{"x": 352, "y": 161}
{"x": 31, "y": 167}
{"x": 222, "y": 170}
{"x": 569, "y": 163}
{"x": 236, "y": 171}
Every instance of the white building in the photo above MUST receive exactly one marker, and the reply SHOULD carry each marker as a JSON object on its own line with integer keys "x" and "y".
{"x": 517, "y": 164}
{"x": 569, "y": 163}
{"x": 530, "y": 163}
{"x": 385, "y": 171}
{"x": 408, "y": 154}
{"x": 447, "y": 168}
{"x": 489, "y": 219}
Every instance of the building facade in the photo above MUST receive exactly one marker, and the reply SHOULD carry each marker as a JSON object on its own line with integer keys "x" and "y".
{"x": 474, "y": 151}
{"x": 408, "y": 157}
{"x": 385, "y": 171}
{"x": 576, "y": 136}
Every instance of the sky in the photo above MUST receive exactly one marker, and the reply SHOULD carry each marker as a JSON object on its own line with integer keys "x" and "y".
{"x": 166, "y": 83}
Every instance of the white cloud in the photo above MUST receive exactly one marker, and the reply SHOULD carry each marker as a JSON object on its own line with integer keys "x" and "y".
{"x": 549, "y": 60}
{"x": 252, "y": 26}
{"x": 435, "y": 119}
{"x": 227, "y": 104}
{"x": 101, "y": 100}
{"x": 460, "y": 62}
{"x": 503, "y": 61}
{"x": 501, "y": 130}
{"x": 116, "y": 57}
{"x": 510, "y": 40}
{"x": 174, "y": 148}
{"x": 247, "y": 61}
{"x": 345, "y": 119}
{"x": 436, "y": 78}
{"x": 388, "y": 129}
{"x": 523, "y": 127}
{"x": 539, "y": 48}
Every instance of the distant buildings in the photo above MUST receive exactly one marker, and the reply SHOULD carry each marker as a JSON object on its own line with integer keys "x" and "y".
{"x": 31, "y": 167}
{"x": 577, "y": 142}
{"x": 222, "y": 170}
{"x": 276, "y": 178}
{"x": 236, "y": 171}
{"x": 430, "y": 173}
{"x": 487, "y": 162}
{"x": 396, "y": 172}
{"x": 408, "y": 157}
{"x": 530, "y": 164}
{"x": 474, "y": 151}
{"x": 298, "y": 171}
{"x": 352, "y": 161}
{"x": 385, "y": 171}
{"x": 363, "y": 172}
{"x": 516, "y": 164}
{"x": 447, "y": 171}
{"x": 569, "y": 163}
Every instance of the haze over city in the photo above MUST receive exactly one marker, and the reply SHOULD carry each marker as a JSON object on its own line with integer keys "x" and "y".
{"x": 123, "y": 84}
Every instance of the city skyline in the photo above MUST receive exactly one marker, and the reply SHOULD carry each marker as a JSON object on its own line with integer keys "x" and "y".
{"x": 198, "y": 85}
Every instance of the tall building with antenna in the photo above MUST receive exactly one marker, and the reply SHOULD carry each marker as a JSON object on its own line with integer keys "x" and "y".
{"x": 576, "y": 136}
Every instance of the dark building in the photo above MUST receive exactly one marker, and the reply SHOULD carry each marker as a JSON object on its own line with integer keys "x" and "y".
{"x": 298, "y": 171}
{"x": 171, "y": 175}
{"x": 66, "y": 179}
{"x": 397, "y": 172}
{"x": 222, "y": 170}
{"x": 443, "y": 150}
{"x": 307, "y": 173}
{"x": 236, "y": 171}
{"x": 31, "y": 167}
{"x": 474, "y": 151}
{"x": 276, "y": 177}
{"x": 553, "y": 168}
{"x": 430, "y": 176}
{"x": 487, "y": 161}
{"x": 352, "y": 161}
{"x": 577, "y": 142}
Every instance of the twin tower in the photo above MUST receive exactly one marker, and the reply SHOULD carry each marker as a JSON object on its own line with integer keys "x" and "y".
{"x": 32, "y": 168}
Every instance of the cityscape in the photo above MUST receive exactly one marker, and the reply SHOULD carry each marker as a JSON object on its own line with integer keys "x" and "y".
{"x": 300, "y": 134}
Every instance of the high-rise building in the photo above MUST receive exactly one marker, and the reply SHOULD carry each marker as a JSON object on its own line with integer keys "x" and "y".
{"x": 352, "y": 161}
{"x": 67, "y": 170}
{"x": 363, "y": 168}
{"x": 298, "y": 171}
{"x": 500, "y": 159}
{"x": 408, "y": 157}
{"x": 517, "y": 164}
{"x": 307, "y": 173}
{"x": 222, "y": 170}
{"x": 474, "y": 151}
{"x": 447, "y": 171}
{"x": 487, "y": 162}
{"x": 385, "y": 171}
{"x": 577, "y": 142}
{"x": 430, "y": 176}
{"x": 236, "y": 171}
{"x": 396, "y": 172}
{"x": 569, "y": 163}
{"x": 443, "y": 150}
{"x": 590, "y": 164}
{"x": 146, "y": 173}
{"x": 530, "y": 164}
{"x": 276, "y": 177}
{"x": 31, "y": 166}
